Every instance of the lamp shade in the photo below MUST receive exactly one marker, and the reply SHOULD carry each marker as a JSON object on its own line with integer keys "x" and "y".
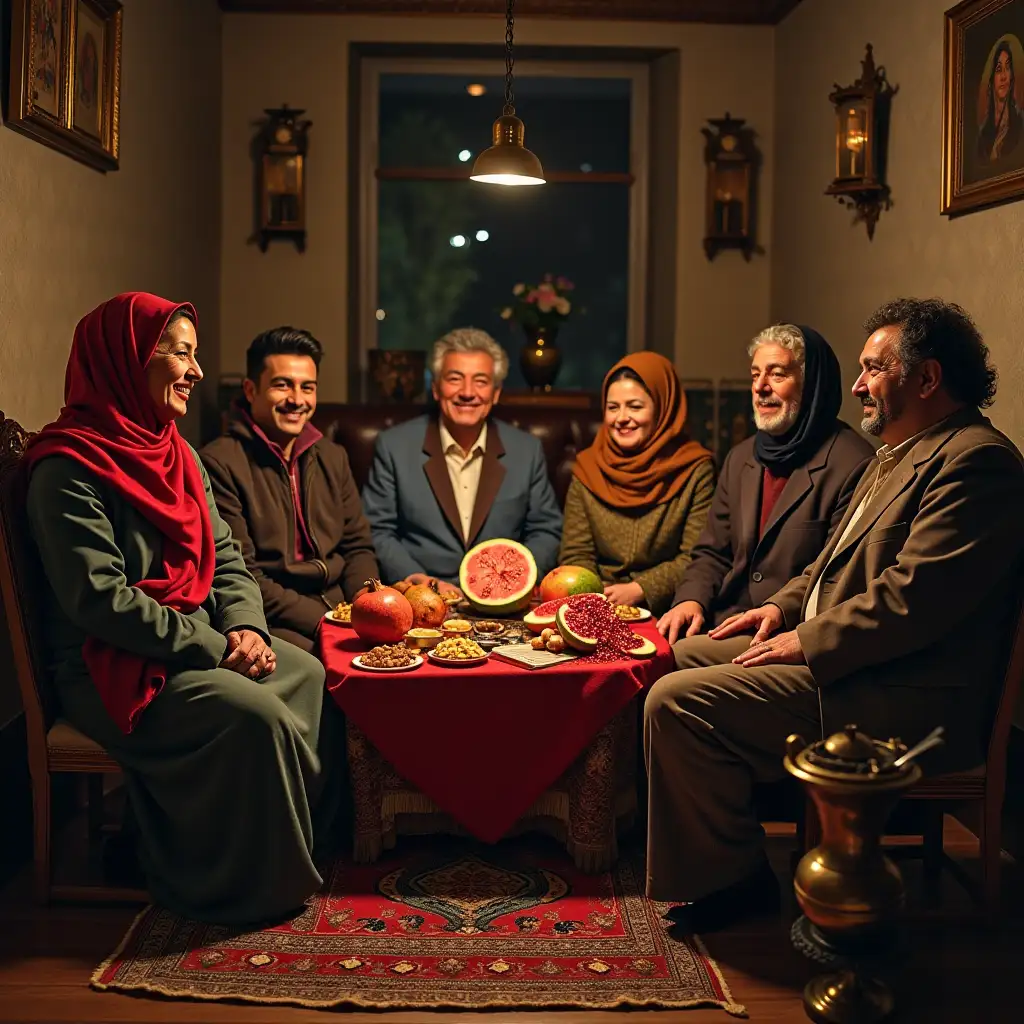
{"x": 508, "y": 161}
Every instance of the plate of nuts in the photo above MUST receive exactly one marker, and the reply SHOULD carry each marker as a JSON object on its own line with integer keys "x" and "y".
{"x": 458, "y": 650}
{"x": 630, "y": 613}
{"x": 548, "y": 640}
{"x": 387, "y": 658}
{"x": 341, "y": 614}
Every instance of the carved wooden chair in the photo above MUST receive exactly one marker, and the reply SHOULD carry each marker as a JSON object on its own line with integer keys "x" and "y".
{"x": 54, "y": 745}
{"x": 983, "y": 786}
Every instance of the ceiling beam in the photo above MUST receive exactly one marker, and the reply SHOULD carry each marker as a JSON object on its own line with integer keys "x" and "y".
{"x": 727, "y": 12}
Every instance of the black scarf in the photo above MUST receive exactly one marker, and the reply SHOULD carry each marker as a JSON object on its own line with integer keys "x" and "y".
{"x": 819, "y": 406}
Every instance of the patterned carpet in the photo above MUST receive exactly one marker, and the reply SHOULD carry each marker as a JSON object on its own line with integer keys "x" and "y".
{"x": 438, "y": 924}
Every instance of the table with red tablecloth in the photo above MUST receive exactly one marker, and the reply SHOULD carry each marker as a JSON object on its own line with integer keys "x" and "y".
{"x": 485, "y": 744}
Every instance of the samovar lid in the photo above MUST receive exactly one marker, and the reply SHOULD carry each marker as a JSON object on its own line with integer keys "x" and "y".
{"x": 850, "y": 754}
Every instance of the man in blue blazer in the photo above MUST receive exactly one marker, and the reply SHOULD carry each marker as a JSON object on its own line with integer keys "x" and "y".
{"x": 440, "y": 484}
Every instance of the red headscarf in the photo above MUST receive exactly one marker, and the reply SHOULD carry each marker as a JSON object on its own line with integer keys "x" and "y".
{"x": 109, "y": 425}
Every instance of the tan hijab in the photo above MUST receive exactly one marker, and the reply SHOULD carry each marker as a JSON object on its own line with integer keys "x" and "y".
{"x": 659, "y": 470}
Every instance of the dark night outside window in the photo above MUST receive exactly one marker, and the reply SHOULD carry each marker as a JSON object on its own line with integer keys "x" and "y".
{"x": 430, "y": 131}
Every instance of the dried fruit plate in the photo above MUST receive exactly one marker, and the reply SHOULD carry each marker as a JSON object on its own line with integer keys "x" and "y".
{"x": 357, "y": 662}
{"x": 458, "y": 662}
{"x": 331, "y": 617}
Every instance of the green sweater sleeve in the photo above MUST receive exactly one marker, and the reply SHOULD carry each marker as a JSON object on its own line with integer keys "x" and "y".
{"x": 578, "y": 544}
{"x": 71, "y": 522}
{"x": 659, "y": 583}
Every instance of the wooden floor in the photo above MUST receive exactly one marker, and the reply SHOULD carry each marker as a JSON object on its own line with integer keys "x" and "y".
{"x": 959, "y": 972}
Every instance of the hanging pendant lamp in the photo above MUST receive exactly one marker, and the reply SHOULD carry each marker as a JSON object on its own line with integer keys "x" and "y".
{"x": 508, "y": 161}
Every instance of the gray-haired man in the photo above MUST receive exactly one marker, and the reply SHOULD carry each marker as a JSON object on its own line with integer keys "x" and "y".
{"x": 440, "y": 484}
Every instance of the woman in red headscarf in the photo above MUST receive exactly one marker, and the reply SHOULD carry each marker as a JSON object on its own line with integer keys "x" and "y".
{"x": 640, "y": 493}
{"x": 159, "y": 648}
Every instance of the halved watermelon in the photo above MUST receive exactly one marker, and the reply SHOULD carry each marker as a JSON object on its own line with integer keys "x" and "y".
{"x": 497, "y": 577}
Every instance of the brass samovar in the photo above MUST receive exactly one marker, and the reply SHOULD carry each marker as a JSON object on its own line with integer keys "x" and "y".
{"x": 849, "y": 891}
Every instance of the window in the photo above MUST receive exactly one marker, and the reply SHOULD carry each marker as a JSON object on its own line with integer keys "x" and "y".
{"x": 441, "y": 251}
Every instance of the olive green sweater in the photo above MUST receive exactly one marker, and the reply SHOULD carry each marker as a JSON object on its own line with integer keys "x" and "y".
{"x": 651, "y": 545}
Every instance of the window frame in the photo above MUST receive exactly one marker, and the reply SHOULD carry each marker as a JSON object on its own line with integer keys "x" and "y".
{"x": 370, "y": 173}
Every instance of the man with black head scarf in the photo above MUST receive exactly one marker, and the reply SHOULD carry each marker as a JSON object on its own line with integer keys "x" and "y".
{"x": 781, "y": 493}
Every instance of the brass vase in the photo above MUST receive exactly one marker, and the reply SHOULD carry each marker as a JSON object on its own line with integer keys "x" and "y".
{"x": 539, "y": 358}
{"x": 849, "y": 891}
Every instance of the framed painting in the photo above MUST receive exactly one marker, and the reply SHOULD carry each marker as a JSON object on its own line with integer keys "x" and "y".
{"x": 65, "y": 85}
{"x": 983, "y": 105}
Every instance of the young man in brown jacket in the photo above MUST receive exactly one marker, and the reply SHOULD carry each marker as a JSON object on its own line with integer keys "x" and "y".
{"x": 287, "y": 493}
{"x": 902, "y": 623}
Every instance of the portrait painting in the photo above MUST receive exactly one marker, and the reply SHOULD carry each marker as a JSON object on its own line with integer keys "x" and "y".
{"x": 65, "y": 77}
{"x": 983, "y": 104}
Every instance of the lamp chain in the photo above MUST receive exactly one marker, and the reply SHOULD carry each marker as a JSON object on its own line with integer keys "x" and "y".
{"x": 509, "y": 60}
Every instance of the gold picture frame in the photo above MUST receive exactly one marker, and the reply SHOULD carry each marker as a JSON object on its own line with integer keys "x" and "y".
{"x": 982, "y": 105}
{"x": 65, "y": 84}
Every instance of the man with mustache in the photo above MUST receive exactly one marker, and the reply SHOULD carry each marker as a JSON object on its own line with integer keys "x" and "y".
{"x": 782, "y": 492}
{"x": 440, "y": 484}
{"x": 288, "y": 495}
{"x": 902, "y": 623}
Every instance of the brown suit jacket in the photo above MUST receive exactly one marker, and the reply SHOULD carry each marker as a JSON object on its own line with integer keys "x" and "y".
{"x": 732, "y": 569}
{"x": 923, "y": 591}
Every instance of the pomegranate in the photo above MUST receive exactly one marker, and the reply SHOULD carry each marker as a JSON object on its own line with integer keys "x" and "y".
{"x": 401, "y": 586}
{"x": 428, "y": 606}
{"x": 589, "y": 624}
{"x": 381, "y": 615}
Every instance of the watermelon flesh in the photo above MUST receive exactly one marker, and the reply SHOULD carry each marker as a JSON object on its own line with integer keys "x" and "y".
{"x": 497, "y": 577}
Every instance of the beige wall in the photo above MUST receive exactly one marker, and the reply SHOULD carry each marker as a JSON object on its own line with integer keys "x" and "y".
{"x": 718, "y": 305}
{"x": 71, "y": 237}
{"x": 825, "y": 271}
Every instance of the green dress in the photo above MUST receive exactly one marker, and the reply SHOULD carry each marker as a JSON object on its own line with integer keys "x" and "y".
{"x": 651, "y": 545}
{"x": 223, "y": 772}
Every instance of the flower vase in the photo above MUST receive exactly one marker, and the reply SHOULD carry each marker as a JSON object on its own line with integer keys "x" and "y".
{"x": 539, "y": 359}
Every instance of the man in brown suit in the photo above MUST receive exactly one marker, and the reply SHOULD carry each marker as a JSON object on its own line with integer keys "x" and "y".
{"x": 289, "y": 495}
{"x": 782, "y": 492}
{"x": 901, "y": 624}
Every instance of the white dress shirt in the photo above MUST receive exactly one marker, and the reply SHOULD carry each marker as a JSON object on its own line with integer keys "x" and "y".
{"x": 464, "y": 472}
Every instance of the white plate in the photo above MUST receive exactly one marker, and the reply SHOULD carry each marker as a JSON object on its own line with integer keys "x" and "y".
{"x": 357, "y": 662}
{"x": 459, "y": 662}
{"x": 645, "y": 614}
{"x": 331, "y": 617}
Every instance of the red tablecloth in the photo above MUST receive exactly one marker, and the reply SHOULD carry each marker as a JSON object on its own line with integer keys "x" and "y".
{"x": 484, "y": 741}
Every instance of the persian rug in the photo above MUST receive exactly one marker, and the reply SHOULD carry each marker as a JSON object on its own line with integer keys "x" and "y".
{"x": 438, "y": 925}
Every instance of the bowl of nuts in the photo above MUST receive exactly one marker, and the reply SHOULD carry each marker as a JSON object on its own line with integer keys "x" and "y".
{"x": 456, "y": 627}
{"x": 458, "y": 650}
{"x": 422, "y": 638}
{"x": 488, "y": 627}
{"x": 548, "y": 640}
{"x": 387, "y": 658}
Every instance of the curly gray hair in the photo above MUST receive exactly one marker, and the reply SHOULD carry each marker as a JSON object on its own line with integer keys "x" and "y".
{"x": 784, "y": 335}
{"x": 469, "y": 339}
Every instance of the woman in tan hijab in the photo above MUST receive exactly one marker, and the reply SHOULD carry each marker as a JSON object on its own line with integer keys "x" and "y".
{"x": 641, "y": 492}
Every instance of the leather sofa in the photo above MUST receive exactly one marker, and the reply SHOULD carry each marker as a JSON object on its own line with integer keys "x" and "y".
{"x": 561, "y": 431}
